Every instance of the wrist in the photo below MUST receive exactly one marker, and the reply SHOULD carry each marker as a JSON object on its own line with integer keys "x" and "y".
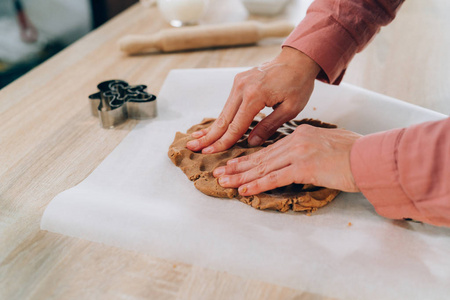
{"x": 299, "y": 59}
{"x": 354, "y": 188}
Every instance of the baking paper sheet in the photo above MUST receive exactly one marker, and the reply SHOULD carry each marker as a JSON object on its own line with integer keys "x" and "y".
{"x": 137, "y": 199}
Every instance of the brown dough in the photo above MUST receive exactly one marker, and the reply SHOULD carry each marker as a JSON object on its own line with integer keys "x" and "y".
{"x": 198, "y": 168}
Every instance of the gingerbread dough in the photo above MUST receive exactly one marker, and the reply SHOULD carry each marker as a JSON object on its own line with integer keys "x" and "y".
{"x": 198, "y": 168}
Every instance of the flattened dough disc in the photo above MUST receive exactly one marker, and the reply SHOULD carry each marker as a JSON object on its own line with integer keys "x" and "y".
{"x": 198, "y": 168}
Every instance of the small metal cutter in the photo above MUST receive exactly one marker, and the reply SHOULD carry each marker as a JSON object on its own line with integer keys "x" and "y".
{"x": 117, "y": 100}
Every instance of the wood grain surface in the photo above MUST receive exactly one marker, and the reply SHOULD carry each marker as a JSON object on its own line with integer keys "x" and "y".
{"x": 49, "y": 142}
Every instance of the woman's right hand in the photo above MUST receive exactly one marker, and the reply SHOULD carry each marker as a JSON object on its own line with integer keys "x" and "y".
{"x": 285, "y": 84}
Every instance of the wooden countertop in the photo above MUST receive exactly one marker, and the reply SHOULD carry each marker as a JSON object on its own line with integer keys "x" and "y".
{"x": 49, "y": 142}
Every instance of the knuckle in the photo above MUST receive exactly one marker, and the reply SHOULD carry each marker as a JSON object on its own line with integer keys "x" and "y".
{"x": 289, "y": 106}
{"x": 232, "y": 168}
{"x": 241, "y": 159}
{"x": 256, "y": 186}
{"x": 266, "y": 126}
{"x": 256, "y": 160}
{"x": 243, "y": 113}
{"x": 238, "y": 81}
{"x": 240, "y": 179}
{"x": 251, "y": 92}
{"x": 302, "y": 130}
{"x": 241, "y": 75}
{"x": 203, "y": 141}
{"x": 310, "y": 180}
{"x": 219, "y": 144}
{"x": 233, "y": 129}
{"x": 221, "y": 122}
{"x": 261, "y": 169}
{"x": 272, "y": 177}
{"x": 237, "y": 78}
{"x": 263, "y": 151}
{"x": 305, "y": 128}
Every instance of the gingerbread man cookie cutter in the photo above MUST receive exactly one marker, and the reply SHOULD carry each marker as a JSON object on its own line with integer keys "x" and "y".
{"x": 117, "y": 101}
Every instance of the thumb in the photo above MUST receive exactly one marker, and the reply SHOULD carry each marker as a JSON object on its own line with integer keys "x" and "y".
{"x": 271, "y": 123}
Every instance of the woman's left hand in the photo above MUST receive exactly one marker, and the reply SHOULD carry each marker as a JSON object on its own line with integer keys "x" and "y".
{"x": 310, "y": 155}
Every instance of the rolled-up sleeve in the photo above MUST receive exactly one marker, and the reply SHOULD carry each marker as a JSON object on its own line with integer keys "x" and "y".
{"x": 333, "y": 31}
{"x": 405, "y": 173}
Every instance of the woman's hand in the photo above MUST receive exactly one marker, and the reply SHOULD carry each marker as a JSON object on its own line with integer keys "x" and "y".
{"x": 286, "y": 83}
{"x": 310, "y": 155}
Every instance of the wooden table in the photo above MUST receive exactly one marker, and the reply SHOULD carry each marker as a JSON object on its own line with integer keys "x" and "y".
{"x": 49, "y": 142}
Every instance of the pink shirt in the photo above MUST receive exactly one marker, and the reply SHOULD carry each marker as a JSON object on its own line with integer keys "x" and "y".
{"x": 404, "y": 173}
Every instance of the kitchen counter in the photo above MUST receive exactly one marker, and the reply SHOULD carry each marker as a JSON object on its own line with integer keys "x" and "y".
{"x": 50, "y": 142}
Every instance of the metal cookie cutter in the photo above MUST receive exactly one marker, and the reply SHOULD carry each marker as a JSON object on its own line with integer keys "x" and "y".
{"x": 117, "y": 100}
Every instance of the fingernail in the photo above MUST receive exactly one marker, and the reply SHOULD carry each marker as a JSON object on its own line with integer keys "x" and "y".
{"x": 193, "y": 144}
{"x": 208, "y": 150}
{"x": 197, "y": 134}
{"x": 224, "y": 180}
{"x": 242, "y": 189}
{"x": 219, "y": 171}
{"x": 255, "y": 141}
{"x": 232, "y": 161}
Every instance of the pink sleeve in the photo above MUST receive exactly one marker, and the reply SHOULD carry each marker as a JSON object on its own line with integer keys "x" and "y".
{"x": 333, "y": 31}
{"x": 405, "y": 173}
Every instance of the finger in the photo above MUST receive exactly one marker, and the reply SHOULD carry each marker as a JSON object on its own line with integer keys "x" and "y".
{"x": 243, "y": 164}
{"x": 273, "y": 180}
{"x": 219, "y": 127}
{"x": 261, "y": 170}
{"x": 236, "y": 129}
{"x": 200, "y": 133}
{"x": 264, "y": 129}
{"x": 254, "y": 156}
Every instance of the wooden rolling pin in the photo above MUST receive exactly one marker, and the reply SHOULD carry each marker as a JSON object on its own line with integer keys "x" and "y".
{"x": 207, "y": 36}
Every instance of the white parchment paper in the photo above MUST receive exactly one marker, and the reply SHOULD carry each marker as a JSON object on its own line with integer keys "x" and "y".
{"x": 137, "y": 199}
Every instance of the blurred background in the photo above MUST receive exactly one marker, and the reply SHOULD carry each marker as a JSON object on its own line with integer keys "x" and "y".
{"x": 413, "y": 50}
{"x": 30, "y": 34}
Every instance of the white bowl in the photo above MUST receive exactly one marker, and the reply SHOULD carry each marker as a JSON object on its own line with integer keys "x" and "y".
{"x": 265, "y": 7}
